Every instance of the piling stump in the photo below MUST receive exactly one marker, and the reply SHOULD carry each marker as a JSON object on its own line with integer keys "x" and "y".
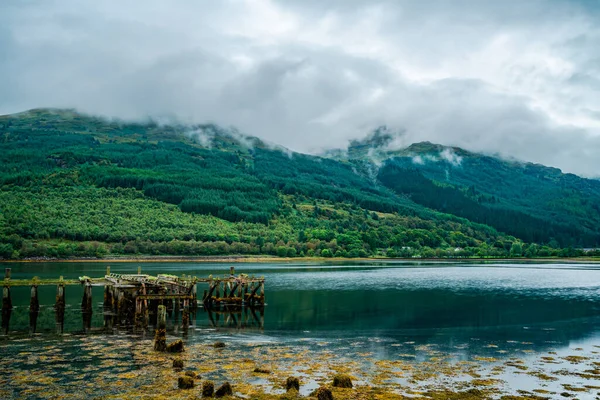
{"x": 34, "y": 309}
{"x": 59, "y": 308}
{"x": 292, "y": 383}
{"x": 160, "y": 337}
{"x": 185, "y": 317}
{"x": 6, "y": 307}
{"x": 86, "y": 307}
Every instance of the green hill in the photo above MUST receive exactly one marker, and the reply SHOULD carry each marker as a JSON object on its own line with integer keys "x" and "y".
{"x": 77, "y": 185}
{"x": 533, "y": 202}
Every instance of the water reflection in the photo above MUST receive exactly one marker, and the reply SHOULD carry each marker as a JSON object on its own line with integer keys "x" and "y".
{"x": 443, "y": 305}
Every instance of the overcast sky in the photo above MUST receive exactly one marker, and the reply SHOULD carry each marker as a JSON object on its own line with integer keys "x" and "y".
{"x": 520, "y": 78}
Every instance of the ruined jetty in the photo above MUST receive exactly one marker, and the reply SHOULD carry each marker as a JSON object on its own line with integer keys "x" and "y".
{"x": 139, "y": 300}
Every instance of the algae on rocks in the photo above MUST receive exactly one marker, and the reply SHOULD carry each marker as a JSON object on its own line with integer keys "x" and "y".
{"x": 185, "y": 382}
{"x": 224, "y": 390}
{"x": 342, "y": 381}
{"x": 175, "y": 347}
{"x": 208, "y": 388}
{"x": 324, "y": 393}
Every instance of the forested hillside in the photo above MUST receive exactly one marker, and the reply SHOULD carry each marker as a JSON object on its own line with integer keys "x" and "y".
{"x": 78, "y": 186}
{"x": 530, "y": 201}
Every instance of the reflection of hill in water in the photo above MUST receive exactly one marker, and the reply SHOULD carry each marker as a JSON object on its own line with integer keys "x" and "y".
{"x": 445, "y": 306}
{"x": 436, "y": 316}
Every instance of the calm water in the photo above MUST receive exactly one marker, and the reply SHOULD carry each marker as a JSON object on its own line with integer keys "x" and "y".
{"x": 443, "y": 303}
{"x": 391, "y": 310}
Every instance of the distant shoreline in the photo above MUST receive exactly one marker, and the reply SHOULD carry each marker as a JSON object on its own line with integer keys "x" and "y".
{"x": 267, "y": 259}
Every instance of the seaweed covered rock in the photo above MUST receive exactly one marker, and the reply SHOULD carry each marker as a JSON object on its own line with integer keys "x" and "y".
{"x": 185, "y": 382}
{"x": 219, "y": 345}
{"x": 342, "y": 381}
{"x": 292, "y": 383}
{"x": 192, "y": 374}
{"x": 324, "y": 393}
{"x": 224, "y": 390}
{"x": 175, "y": 347}
{"x": 260, "y": 370}
{"x": 178, "y": 363}
{"x": 208, "y": 389}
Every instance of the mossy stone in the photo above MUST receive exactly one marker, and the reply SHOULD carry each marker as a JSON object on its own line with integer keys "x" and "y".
{"x": 342, "y": 381}
{"x": 175, "y": 347}
{"x": 185, "y": 382}
{"x": 324, "y": 393}
{"x": 224, "y": 390}
{"x": 208, "y": 389}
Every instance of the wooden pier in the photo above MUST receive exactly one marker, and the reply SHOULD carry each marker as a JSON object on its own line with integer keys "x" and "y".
{"x": 139, "y": 300}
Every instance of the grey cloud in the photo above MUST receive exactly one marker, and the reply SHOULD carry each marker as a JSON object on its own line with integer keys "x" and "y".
{"x": 515, "y": 78}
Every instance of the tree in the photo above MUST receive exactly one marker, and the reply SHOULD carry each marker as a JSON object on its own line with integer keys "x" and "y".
{"x": 516, "y": 250}
{"x": 326, "y": 253}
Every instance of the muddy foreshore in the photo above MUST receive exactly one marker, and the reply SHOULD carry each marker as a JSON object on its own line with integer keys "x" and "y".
{"x": 116, "y": 367}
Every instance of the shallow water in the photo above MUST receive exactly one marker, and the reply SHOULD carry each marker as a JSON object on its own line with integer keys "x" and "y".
{"x": 397, "y": 312}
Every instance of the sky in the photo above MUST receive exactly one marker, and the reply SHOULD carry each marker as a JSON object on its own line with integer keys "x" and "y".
{"x": 519, "y": 78}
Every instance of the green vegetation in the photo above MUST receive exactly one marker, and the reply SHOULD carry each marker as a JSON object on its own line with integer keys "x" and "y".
{"x": 78, "y": 186}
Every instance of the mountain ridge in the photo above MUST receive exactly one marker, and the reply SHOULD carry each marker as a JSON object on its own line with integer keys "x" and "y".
{"x": 271, "y": 200}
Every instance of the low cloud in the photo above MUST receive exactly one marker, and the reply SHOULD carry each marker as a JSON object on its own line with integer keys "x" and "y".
{"x": 516, "y": 78}
{"x": 450, "y": 156}
{"x": 446, "y": 155}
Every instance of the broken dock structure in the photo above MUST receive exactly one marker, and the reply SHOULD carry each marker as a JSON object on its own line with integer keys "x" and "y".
{"x": 133, "y": 300}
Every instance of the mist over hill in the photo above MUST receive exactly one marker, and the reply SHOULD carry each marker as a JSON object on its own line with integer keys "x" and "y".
{"x": 78, "y": 185}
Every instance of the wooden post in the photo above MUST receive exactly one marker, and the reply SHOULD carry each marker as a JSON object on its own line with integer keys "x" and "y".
{"x": 185, "y": 317}
{"x": 211, "y": 318}
{"x": 6, "y": 306}
{"x": 145, "y": 318}
{"x": 86, "y": 307}
{"x": 254, "y": 316}
{"x": 208, "y": 302}
{"x": 160, "y": 338}
{"x": 120, "y": 307}
{"x": 139, "y": 317}
{"x": 176, "y": 307}
{"x": 108, "y": 270}
{"x": 233, "y": 289}
{"x": 194, "y": 304}
{"x": 59, "y": 307}
{"x": 7, "y": 274}
{"x": 107, "y": 307}
{"x": 253, "y": 294}
{"x": 232, "y": 270}
{"x": 153, "y": 311}
{"x": 34, "y": 309}
{"x": 261, "y": 312}
{"x": 139, "y": 270}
